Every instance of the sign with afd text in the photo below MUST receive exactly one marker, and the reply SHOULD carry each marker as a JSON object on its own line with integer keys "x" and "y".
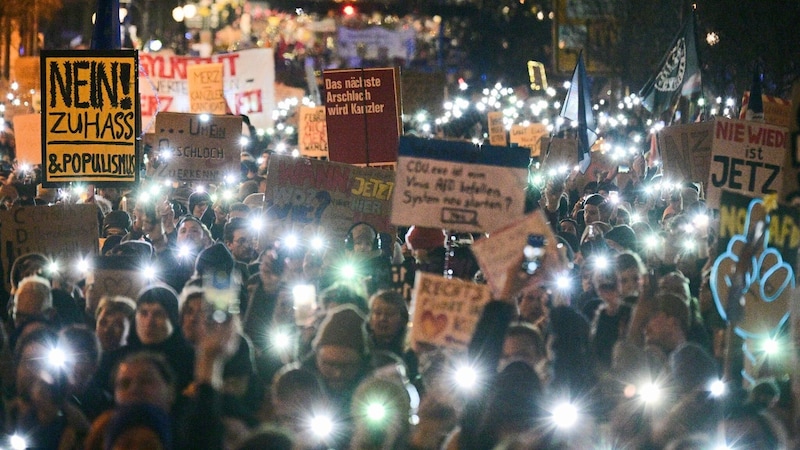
{"x": 746, "y": 157}
{"x": 206, "y": 94}
{"x": 312, "y": 139}
{"x": 363, "y": 115}
{"x": 65, "y": 233}
{"x": 445, "y": 310}
{"x": 325, "y": 197}
{"x": 458, "y": 186}
{"x": 197, "y": 147}
{"x": 784, "y": 225}
{"x": 89, "y": 116}
{"x": 686, "y": 151}
{"x": 248, "y": 83}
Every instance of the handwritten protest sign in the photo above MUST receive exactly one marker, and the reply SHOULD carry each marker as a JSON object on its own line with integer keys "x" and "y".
{"x": 62, "y": 232}
{"x": 197, "y": 147}
{"x": 500, "y": 255}
{"x": 115, "y": 275}
{"x": 312, "y": 140}
{"x": 445, "y": 311}
{"x": 528, "y": 136}
{"x": 746, "y": 158}
{"x": 458, "y": 186}
{"x": 784, "y": 225}
{"x": 686, "y": 151}
{"x": 558, "y": 152}
{"x": 248, "y": 83}
{"x": 206, "y": 93}
{"x": 27, "y": 73}
{"x": 497, "y": 129}
{"x": 89, "y": 116}
{"x": 28, "y": 135}
{"x": 363, "y": 115}
{"x": 322, "y": 196}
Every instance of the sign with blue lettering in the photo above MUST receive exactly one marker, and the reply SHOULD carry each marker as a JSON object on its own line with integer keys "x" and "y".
{"x": 459, "y": 186}
{"x": 90, "y": 116}
{"x": 196, "y": 147}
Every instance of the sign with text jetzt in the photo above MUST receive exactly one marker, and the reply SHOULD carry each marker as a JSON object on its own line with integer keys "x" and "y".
{"x": 363, "y": 115}
{"x": 63, "y": 232}
{"x": 197, "y": 147}
{"x": 89, "y": 116}
{"x": 312, "y": 139}
{"x": 206, "y": 94}
{"x": 458, "y": 186}
{"x": 445, "y": 310}
{"x": 746, "y": 157}
{"x": 322, "y": 196}
{"x": 686, "y": 151}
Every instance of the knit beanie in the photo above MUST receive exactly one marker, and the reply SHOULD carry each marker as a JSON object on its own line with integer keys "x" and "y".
{"x": 127, "y": 417}
{"x": 117, "y": 219}
{"x": 624, "y": 236}
{"x": 163, "y": 295}
{"x": 214, "y": 259}
{"x": 420, "y": 238}
{"x": 343, "y": 326}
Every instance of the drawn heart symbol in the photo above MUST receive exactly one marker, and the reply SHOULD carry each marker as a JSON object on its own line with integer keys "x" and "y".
{"x": 119, "y": 286}
{"x": 432, "y": 325}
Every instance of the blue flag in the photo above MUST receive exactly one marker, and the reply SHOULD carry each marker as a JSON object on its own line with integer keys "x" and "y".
{"x": 678, "y": 73}
{"x": 106, "y": 34}
{"x": 755, "y": 106}
{"x": 578, "y": 109}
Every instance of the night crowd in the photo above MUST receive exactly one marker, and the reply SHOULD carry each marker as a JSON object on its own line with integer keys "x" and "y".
{"x": 244, "y": 338}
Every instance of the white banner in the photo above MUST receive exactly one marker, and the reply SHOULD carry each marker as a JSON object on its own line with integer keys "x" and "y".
{"x": 397, "y": 44}
{"x": 248, "y": 83}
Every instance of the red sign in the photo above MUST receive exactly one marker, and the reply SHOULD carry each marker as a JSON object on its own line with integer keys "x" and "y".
{"x": 362, "y": 109}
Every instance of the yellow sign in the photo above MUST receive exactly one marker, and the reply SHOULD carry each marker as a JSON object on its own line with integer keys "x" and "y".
{"x": 90, "y": 116}
{"x": 537, "y": 75}
{"x": 206, "y": 93}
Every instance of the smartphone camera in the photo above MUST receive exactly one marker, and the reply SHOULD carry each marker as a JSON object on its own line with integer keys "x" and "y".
{"x": 222, "y": 293}
{"x": 533, "y": 253}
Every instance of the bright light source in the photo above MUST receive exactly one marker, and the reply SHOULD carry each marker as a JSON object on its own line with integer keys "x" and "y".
{"x": 244, "y": 140}
{"x": 52, "y": 267}
{"x": 565, "y": 415}
{"x": 149, "y": 272}
{"x": 281, "y": 340}
{"x": 256, "y": 223}
{"x": 717, "y": 388}
{"x": 700, "y": 220}
{"x": 184, "y": 251}
{"x": 200, "y": 188}
{"x": 322, "y": 426}
{"x": 771, "y": 346}
{"x": 563, "y": 282}
{"x": 652, "y": 241}
{"x": 17, "y": 442}
{"x": 57, "y": 357}
{"x": 466, "y": 377}
{"x": 230, "y": 178}
{"x": 376, "y": 412}
{"x": 688, "y": 245}
{"x": 650, "y": 393}
{"x": 291, "y": 241}
{"x": 349, "y": 10}
{"x": 317, "y": 243}
{"x": 348, "y": 271}
{"x": 83, "y": 265}
{"x": 155, "y": 45}
{"x": 601, "y": 262}
{"x": 204, "y": 117}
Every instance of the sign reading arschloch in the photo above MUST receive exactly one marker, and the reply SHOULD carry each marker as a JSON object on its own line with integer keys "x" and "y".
{"x": 458, "y": 186}
{"x": 746, "y": 158}
{"x": 363, "y": 115}
{"x": 89, "y": 116}
{"x": 315, "y": 195}
{"x": 197, "y": 147}
{"x": 63, "y": 232}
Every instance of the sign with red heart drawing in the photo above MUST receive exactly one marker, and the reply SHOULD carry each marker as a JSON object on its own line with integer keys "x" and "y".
{"x": 445, "y": 311}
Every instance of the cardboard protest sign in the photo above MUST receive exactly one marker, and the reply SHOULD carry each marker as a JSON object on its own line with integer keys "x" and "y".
{"x": 746, "y": 158}
{"x": 458, "y": 186}
{"x": 557, "y": 152}
{"x": 89, "y": 116}
{"x": 28, "y": 135}
{"x": 27, "y": 72}
{"x": 497, "y": 129}
{"x": 777, "y": 111}
{"x": 115, "y": 275}
{"x": 61, "y": 232}
{"x": 445, "y": 311}
{"x": 500, "y": 255}
{"x": 363, "y": 115}
{"x": 197, "y": 147}
{"x": 312, "y": 139}
{"x": 686, "y": 151}
{"x": 528, "y": 136}
{"x": 784, "y": 225}
{"x": 322, "y": 196}
{"x": 206, "y": 93}
{"x": 248, "y": 83}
